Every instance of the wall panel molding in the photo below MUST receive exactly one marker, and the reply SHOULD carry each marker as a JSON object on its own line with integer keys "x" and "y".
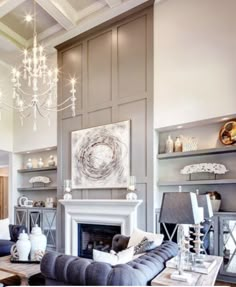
{"x": 116, "y": 77}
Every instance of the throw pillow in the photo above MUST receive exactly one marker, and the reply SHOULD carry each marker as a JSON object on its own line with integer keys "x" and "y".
{"x": 144, "y": 245}
{"x": 112, "y": 258}
{"x": 138, "y": 235}
{"x": 4, "y": 229}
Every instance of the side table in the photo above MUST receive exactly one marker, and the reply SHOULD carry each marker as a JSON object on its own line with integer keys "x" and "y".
{"x": 198, "y": 279}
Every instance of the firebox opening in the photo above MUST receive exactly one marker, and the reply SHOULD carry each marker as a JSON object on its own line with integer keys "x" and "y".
{"x": 95, "y": 236}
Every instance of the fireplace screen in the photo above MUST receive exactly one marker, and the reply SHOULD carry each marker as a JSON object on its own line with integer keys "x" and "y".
{"x": 95, "y": 236}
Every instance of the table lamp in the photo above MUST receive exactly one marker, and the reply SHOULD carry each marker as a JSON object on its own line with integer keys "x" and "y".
{"x": 205, "y": 203}
{"x": 180, "y": 208}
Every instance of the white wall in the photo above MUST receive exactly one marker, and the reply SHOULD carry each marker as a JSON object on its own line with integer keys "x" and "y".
{"x": 46, "y": 136}
{"x": 6, "y": 122}
{"x": 194, "y": 60}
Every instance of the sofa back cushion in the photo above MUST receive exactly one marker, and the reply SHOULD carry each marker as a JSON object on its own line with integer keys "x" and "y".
{"x": 4, "y": 230}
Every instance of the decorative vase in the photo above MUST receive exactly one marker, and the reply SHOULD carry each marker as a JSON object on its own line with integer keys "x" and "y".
{"x": 29, "y": 164}
{"x": 51, "y": 161}
{"x": 38, "y": 243}
{"x": 169, "y": 145}
{"x": 178, "y": 145}
{"x": 23, "y": 246}
{"x": 40, "y": 163}
{"x": 215, "y": 198}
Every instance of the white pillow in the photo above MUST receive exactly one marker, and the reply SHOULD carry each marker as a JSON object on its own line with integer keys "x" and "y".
{"x": 118, "y": 258}
{"x": 4, "y": 229}
{"x": 138, "y": 234}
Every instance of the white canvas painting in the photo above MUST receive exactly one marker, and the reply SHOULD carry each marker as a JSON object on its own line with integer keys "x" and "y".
{"x": 101, "y": 156}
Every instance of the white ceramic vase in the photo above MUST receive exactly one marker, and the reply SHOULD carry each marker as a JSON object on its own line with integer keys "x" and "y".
{"x": 38, "y": 243}
{"x": 51, "y": 161}
{"x": 23, "y": 246}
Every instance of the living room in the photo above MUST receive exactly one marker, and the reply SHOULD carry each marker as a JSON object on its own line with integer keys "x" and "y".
{"x": 146, "y": 110}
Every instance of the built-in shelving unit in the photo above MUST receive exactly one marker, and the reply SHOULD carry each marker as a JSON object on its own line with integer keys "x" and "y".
{"x": 37, "y": 188}
{"x": 201, "y": 152}
{"x": 198, "y": 182}
{"x": 210, "y": 150}
{"x": 46, "y": 168}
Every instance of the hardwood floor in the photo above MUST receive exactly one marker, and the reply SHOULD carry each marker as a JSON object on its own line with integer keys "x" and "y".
{"x": 220, "y": 283}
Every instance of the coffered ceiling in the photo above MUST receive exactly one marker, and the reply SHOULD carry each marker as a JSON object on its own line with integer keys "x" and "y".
{"x": 57, "y": 21}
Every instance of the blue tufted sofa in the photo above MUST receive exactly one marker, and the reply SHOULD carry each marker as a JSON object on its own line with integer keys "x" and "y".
{"x": 5, "y": 245}
{"x": 61, "y": 269}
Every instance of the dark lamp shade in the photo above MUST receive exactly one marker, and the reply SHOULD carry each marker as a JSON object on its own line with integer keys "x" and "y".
{"x": 205, "y": 202}
{"x": 179, "y": 208}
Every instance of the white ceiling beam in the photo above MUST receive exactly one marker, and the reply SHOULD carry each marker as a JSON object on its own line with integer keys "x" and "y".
{"x": 9, "y": 5}
{"x": 96, "y": 6}
{"x": 113, "y": 3}
{"x": 61, "y": 11}
{"x": 46, "y": 33}
{"x": 88, "y": 23}
{"x": 12, "y": 36}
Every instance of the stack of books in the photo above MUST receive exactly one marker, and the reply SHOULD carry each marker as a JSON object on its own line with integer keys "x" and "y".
{"x": 203, "y": 267}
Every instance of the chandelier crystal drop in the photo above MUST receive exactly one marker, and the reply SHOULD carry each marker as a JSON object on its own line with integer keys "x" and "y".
{"x": 35, "y": 86}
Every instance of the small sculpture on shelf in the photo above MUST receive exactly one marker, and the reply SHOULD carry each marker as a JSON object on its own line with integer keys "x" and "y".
{"x": 67, "y": 189}
{"x": 51, "y": 161}
{"x": 29, "y": 164}
{"x": 131, "y": 195}
{"x": 39, "y": 180}
{"x": 215, "y": 168}
{"x": 40, "y": 163}
{"x": 189, "y": 144}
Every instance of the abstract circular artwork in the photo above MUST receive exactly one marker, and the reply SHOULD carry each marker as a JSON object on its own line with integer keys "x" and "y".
{"x": 100, "y": 156}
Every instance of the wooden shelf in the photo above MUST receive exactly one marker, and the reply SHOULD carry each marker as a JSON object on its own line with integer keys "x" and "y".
{"x": 197, "y": 182}
{"x": 210, "y": 151}
{"x": 37, "y": 188}
{"x": 46, "y": 168}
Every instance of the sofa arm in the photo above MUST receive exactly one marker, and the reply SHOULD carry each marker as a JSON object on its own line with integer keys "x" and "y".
{"x": 119, "y": 242}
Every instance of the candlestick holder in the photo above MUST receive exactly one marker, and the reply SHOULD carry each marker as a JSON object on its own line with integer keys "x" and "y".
{"x": 67, "y": 189}
{"x": 131, "y": 195}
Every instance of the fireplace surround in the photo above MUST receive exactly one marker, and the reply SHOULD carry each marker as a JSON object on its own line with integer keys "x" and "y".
{"x": 122, "y": 213}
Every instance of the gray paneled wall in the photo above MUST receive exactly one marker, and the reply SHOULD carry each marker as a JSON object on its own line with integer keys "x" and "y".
{"x": 114, "y": 67}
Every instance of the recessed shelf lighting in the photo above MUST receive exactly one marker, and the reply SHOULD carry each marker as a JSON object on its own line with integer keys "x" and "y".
{"x": 47, "y": 149}
{"x": 28, "y": 18}
{"x": 28, "y": 152}
{"x": 225, "y": 119}
{"x": 179, "y": 127}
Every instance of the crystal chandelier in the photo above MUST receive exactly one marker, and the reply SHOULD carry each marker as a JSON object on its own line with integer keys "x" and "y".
{"x": 34, "y": 86}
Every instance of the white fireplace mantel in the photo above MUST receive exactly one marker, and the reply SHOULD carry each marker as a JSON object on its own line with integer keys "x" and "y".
{"x": 121, "y": 213}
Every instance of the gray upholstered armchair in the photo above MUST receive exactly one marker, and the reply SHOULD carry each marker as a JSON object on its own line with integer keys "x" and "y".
{"x": 59, "y": 269}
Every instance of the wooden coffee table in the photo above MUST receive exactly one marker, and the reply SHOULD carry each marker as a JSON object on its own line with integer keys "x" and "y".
{"x": 22, "y": 270}
{"x": 7, "y": 278}
{"x": 163, "y": 279}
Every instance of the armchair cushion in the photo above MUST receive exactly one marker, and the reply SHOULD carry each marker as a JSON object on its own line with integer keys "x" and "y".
{"x": 15, "y": 230}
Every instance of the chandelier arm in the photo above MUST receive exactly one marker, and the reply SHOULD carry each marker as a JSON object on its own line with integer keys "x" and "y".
{"x": 14, "y": 107}
{"x": 41, "y": 114}
{"x": 30, "y": 95}
{"x": 57, "y": 106}
{"x": 57, "y": 110}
